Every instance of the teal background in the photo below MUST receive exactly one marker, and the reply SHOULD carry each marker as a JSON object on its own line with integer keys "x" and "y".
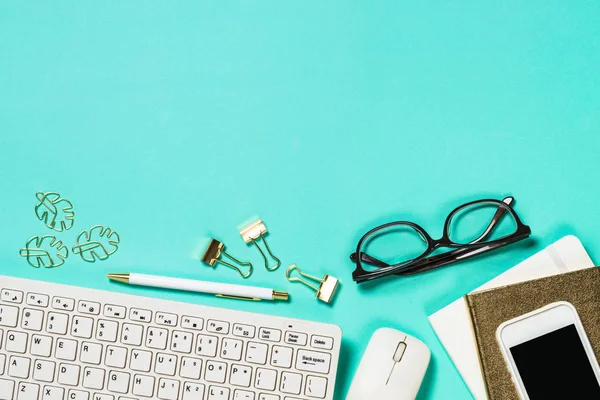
{"x": 173, "y": 121}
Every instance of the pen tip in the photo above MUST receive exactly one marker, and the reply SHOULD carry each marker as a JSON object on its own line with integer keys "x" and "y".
{"x": 123, "y": 278}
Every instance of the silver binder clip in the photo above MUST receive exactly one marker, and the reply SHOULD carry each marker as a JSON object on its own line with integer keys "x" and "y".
{"x": 327, "y": 284}
{"x": 254, "y": 233}
{"x": 212, "y": 255}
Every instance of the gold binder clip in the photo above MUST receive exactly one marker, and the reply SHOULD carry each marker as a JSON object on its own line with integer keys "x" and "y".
{"x": 327, "y": 284}
{"x": 213, "y": 253}
{"x": 254, "y": 233}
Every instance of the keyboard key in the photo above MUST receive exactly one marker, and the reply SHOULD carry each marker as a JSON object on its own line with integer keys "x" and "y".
{"x": 168, "y": 389}
{"x": 267, "y": 396}
{"x": 18, "y": 367}
{"x": 68, "y": 374}
{"x": 11, "y": 296}
{"x": 313, "y": 361}
{"x": 265, "y": 379}
{"x": 192, "y": 323}
{"x": 182, "y": 342}
{"x": 215, "y": 371}
{"x": 6, "y": 389}
{"x": 291, "y": 383}
{"x": 113, "y": 311}
{"x": 321, "y": 342}
{"x": 143, "y": 385}
{"x": 38, "y": 300}
{"x": 296, "y": 338}
{"x": 272, "y": 335}
{"x": 44, "y": 370}
{"x": 246, "y": 331}
{"x": 63, "y": 303}
{"x": 240, "y": 375}
{"x": 165, "y": 364}
{"x": 140, "y": 360}
{"x": 91, "y": 353}
{"x": 282, "y": 356}
{"x": 157, "y": 338}
{"x": 41, "y": 345}
{"x": 57, "y": 323}
{"x": 93, "y": 378}
{"x": 106, "y": 331}
{"x": 115, "y": 356}
{"x": 118, "y": 382}
{"x": 243, "y": 395}
{"x": 82, "y": 327}
{"x": 218, "y": 393}
{"x": 166, "y": 319}
{"x": 190, "y": 368}
{"x": 9, "y": 316}
{"x": 88, "y": 307}
{"x": 132, "y": 334}
{"x": 231, "y": 349}
{"x": 78, "y": 395}
{"x": 193, "y": 391}
{"x": 66, "y": 349}
{"x": 1, "y": 336}
{"x": 16, "y": 342}
{"x": 2, "y": 363}
{"x": 137, "y": 314}
{"x": 256, "y": 353}
{"x": 53, "y": 393}
{"x": 316, "y": 386}
{"x": 28, "y": 391}
{"x": 101, "y": 396}
{"x": 215, "y": 326}
{"x": 207, "y": 345}
{"x": 32, "y": 320}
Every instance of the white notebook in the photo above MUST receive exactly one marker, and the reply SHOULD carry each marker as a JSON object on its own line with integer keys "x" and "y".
{"x": 452, "y": 324}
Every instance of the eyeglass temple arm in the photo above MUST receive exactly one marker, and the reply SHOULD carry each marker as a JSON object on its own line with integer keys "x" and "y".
{"x": 450, "y": 257}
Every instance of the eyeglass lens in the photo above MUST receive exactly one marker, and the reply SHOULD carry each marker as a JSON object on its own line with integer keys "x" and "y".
{"x": 476, "y": 223}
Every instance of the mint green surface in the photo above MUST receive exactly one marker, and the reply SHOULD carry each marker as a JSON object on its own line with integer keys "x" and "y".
{"x": 174, "y": 121}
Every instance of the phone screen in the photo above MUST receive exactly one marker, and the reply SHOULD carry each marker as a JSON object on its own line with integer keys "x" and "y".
{"x": 556, "y": 366}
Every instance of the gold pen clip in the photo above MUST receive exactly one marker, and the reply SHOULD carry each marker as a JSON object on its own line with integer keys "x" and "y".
{"x": 229, "y": 296}
{"x": 327, "y": 284}
{"x": 254, "y": 232}
{"x": 213, "y": 253}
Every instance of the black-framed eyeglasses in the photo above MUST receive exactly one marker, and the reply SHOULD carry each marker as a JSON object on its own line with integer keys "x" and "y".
{"x": 471, "y": 229}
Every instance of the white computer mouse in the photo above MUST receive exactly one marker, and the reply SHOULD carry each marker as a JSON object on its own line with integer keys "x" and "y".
{"x": 392, "y": 368}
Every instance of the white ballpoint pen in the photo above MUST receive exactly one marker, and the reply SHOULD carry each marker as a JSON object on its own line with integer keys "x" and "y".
{"x": 228, "y": 290}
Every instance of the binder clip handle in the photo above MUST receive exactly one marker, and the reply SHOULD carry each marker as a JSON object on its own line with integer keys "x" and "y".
{"x": 327, "y": 284}
{"x": 253, "y": 233}
{"x": 213, "y": 253}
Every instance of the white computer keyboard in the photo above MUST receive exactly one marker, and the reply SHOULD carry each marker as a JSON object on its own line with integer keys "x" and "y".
{"x": 61, "y": 342}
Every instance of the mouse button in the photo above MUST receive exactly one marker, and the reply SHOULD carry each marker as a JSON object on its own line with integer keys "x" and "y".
{"x": 399, "y": 353}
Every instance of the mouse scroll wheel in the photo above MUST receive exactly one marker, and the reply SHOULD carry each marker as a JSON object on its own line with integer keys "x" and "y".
{"x": 399, "y": 353}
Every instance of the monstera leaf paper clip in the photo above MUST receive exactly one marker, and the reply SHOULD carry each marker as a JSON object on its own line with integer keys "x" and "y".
{"x": 46, "y": 251}
{"x": 56, "y": 212}
{"x": 97, "y": 243}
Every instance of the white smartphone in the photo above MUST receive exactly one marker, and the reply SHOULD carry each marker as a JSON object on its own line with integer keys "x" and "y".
{"x": 549, "y": 355}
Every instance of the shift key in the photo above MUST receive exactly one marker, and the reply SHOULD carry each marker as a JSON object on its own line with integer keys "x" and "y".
{"x": 313, "y": 361}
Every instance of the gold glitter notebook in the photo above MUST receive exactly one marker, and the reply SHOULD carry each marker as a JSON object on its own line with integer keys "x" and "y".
{"x": 490, "y": 308}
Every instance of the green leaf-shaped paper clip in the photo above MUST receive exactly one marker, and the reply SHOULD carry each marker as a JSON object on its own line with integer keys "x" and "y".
{"x": 97, "y": 243}
{"x": 46, "y": 251}
{"x": 56, "y": 212}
